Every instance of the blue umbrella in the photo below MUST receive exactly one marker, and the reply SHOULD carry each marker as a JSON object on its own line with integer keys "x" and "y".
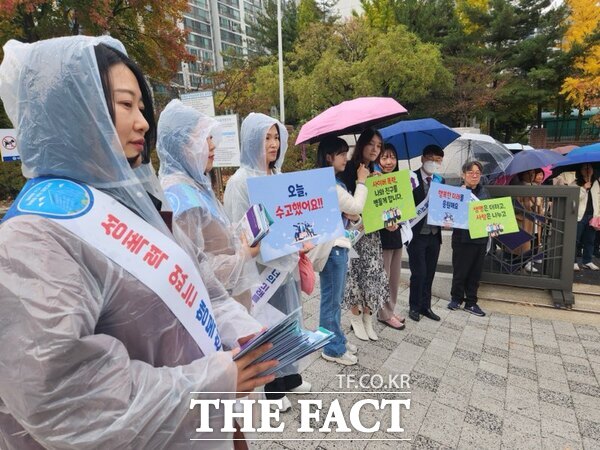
{"x": 586, "y": 154}
{"x": 532, "y": 159}
{"x": 410, "y": 137}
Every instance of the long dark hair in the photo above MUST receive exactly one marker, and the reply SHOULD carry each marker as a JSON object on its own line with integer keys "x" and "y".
{"x": 107, "y": 57}
{"x": 579, "y": 177}
{"x": 330, "y": 146}
{"x": 272, "y": 163}
{"x": 362, "y": 142}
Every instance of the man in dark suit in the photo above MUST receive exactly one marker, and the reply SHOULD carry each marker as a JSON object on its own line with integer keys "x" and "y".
{"x": 424, "y": 248}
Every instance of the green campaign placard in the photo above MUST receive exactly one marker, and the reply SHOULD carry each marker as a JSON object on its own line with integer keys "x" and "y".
{"x": 493, "y": 216}
{"x": 389, "y": 200}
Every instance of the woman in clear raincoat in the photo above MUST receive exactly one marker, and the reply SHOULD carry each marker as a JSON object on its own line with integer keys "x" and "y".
{"x": 263, "y": 147}
{"x": 90, "y": 357}
{"x": 186, "y": 147}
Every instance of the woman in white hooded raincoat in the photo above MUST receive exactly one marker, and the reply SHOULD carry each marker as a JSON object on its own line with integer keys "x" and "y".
{"x": 186, "y": 144}
{"x": 90, "y": 357}
{"x": 264, "y": 143}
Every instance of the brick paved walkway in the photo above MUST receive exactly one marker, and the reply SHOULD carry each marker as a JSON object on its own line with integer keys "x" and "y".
{"x": 500, "y": 381}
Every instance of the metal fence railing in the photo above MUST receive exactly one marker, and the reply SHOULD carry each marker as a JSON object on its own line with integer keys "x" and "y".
{"x": 542, "y": 254}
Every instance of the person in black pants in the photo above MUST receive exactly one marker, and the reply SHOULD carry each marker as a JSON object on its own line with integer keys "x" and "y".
{"x": 467, "y": 253}
{"x": 424, "y": 248}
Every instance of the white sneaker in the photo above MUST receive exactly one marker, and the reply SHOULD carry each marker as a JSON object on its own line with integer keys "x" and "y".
{"x": 347, "y": 359}
{"x": 368, "y": 322}
{"x": 529, "y": 267}
{"x": 304, "y": 388}
{"x": 357, "y": 325}
{"x": 286, "y": 405}
{"x": 576, "y": 267}
{"x": 591, "y": 266}
{"x": 351, "y": 348}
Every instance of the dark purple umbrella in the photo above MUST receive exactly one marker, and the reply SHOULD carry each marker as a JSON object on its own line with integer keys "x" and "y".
{"x": 532, "y": 159}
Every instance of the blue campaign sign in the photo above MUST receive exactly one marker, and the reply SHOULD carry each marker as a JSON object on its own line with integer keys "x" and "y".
{"x": 303, "y": 206}
{"x": 448, "y": 206}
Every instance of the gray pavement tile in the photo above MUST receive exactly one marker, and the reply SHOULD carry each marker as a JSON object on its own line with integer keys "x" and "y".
{"x": 496, "y": 369}
{"x": 547, "y": 350}
{"x": 467, "y": 355}
{"x": 417, "y": 340}
{"x": 521, "y": 351}
{"x": 513, "y": 441}
{"x": 496, "y": 360}
{"x": 567, "y": 338}
{"x": 490, "y": 378}
{"x": 523, "y": 372}
{"x": 552, "y": 371}
{"x": 484, "y": 420}
{"x": 452, "y": 395}
{"x": 590, "y": 337}
{"x": 590, "y": 444}
{"x": 429, "y": 367}
{"x": 545, "y": 357}
{"x": 424, "y": 381}
{"x": 552, "y": 442}
{"x": 473, "y": 436}
{"x": 563, "y": 412}
{"x": 523, "y": 402}
{"x": 388, "y": 441}
{"x": 517, "y": 361}
{"x": 524, "y": 383}
{"x": 477, "y": 324}
{"x": 407, "y": 351}
{"x": 495, "y": 351}
{"x": 563, "y": 327}
{"x": 554, "y": 397}
{"x": 518, "y": 424}
{"x": 584, "y": 401}
{"x": 481, "y": 392}
{"x": 459, "y": 374}
{"x": 521, "y": 334}
{"x": 592, "y": 351}
{"x": 586, "y": 329}
{"x": 590, "y": 430}
{"x": 552, "y": 426}
{"x": 581, "y": 388}
{"x": 588, "y": 413}
{"x": 442, "y": 424}
{"x": 582, "y": 378}
{"x": 572, "y": 349}
{"x": 447, "y": 325}
{"x": 424, "y": 443}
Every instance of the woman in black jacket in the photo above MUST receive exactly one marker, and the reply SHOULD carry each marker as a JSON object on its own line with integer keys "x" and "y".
{"x": 467, "y": 253}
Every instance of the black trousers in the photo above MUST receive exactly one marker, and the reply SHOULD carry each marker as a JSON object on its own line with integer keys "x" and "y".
{"x": 423, "y": 253}
{"x": 276, "y": 389}
{"x": 467, "y": 267}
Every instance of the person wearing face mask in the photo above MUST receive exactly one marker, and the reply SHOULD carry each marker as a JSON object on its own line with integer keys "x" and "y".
{"x": 101, "y": 342}
{"x": 424, "y": 248}
{"x": 367, "y": 287}
{"x": 186, "y": 148}
{"x": 264, "y": 141}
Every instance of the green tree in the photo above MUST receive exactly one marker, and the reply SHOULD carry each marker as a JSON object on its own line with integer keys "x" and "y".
{"x": 265, "y": 29}
{"x": 147, "y": 28}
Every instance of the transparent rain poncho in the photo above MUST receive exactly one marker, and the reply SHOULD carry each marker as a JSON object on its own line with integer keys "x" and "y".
{"x": 183, "y": 151}
{"x": 89, "y": 356}
{"x": 253, "y": 164}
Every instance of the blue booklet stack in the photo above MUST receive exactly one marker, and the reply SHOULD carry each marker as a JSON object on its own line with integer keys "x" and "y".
{"x": 290, "y": 342}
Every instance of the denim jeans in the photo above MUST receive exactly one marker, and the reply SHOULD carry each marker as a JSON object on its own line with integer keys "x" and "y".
{"x": 333, "y": 282}
{"x": 585, "y": 237}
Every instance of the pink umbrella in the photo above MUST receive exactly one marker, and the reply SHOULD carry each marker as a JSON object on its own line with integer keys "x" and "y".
{"x": 352, "y": 116}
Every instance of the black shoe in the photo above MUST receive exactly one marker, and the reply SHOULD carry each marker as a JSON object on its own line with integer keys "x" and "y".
{"x": 414, "y": 315}
{"x": 430, "y": 314}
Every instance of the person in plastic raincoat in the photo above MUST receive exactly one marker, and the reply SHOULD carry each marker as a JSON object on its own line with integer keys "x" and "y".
{"x": 89, "y": 356}
{"x": 263, "y": 147}
{"x": 186, "y": 147}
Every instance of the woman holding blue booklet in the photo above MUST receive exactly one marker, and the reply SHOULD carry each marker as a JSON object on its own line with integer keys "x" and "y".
{"x": 186, "y": 144}
{"x": 264, "y": 143}
{"x": 93, "y": 349}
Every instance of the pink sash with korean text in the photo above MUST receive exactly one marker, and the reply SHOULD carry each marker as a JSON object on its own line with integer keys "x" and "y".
{"x": 129, "y": 241}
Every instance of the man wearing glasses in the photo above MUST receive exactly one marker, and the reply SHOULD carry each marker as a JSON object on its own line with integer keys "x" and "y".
{"x": 424, "y": 248}
{"x": 467, "y": 253}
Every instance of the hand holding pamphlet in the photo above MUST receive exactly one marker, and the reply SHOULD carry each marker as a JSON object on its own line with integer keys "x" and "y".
{"x": 255, "y": 224}
{"x": 290, "y": 342}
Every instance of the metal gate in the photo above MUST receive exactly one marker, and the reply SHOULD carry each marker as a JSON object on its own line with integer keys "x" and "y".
{"x": 542, "y": 254}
